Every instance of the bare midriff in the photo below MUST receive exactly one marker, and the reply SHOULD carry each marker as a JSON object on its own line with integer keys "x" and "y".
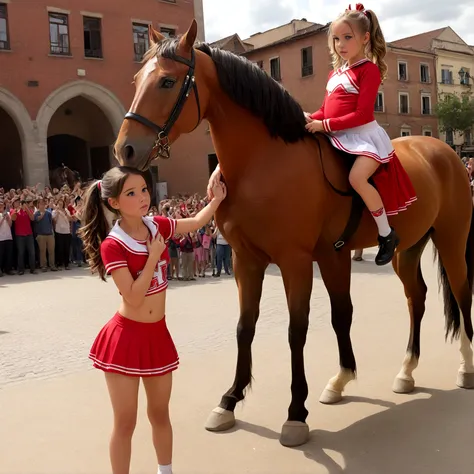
{"x": 151, "y": 311}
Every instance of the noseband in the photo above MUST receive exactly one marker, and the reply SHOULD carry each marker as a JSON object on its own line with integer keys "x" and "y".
{"x": 162, "y": 146}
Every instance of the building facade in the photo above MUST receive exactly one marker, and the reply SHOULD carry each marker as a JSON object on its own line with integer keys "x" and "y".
{"x": 263, "y": 38}
{"x": 66, "y": 69}
{"x": 406, "y": 100}
{"x": 454, "y": 61}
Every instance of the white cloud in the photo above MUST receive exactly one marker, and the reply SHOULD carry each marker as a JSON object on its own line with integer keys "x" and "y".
{"x": 398, "y": 18}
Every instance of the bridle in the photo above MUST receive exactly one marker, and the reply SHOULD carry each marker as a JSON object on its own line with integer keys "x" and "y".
{"x": 162, "y": 146}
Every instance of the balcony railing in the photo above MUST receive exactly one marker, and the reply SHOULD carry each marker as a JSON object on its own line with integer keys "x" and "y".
{"x": 93, "y": 53}
{"x": 404, "y": 110}
{"x": 378, "y": 108}
{"x": 425, "y": 111}
{"x": 307, "y": 70}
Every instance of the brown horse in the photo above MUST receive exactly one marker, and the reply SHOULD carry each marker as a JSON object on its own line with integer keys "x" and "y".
{"x": 259, "y": 135}
{"x": 63, "y": 175}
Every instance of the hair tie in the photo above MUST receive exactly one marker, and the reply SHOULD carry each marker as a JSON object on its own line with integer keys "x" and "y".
{"x": 359, "y": 7}
{"x": 99, "y": 185}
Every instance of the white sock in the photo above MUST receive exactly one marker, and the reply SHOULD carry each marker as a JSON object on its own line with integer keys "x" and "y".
{"x": 165, "y": 469}
{"x": 382, "y": 222}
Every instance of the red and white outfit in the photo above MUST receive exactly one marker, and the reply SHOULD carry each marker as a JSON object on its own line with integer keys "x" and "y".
{"x": 348, "y": 119}
{"x": 130, "y": 347}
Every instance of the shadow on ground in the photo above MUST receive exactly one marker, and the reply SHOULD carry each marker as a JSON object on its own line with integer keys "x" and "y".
{"x": 434, "y": 435}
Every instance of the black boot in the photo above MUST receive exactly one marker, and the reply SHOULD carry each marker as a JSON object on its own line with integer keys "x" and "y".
{"x": 387, "y": 246}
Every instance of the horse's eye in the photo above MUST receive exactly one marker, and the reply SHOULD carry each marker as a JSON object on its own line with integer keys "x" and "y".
{"x": 167, "y": 83}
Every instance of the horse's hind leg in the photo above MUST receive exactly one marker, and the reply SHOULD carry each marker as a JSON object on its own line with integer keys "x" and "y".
{"x": 249, "y": 274}
{"x": 455, "y": 264}
{"x": 407, "y": 266}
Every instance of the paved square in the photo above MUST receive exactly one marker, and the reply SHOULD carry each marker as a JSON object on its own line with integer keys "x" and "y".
{"x": 55, "y": 416}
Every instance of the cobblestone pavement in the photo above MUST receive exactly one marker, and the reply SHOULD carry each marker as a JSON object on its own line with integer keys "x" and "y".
{"x": 55, "y": 415}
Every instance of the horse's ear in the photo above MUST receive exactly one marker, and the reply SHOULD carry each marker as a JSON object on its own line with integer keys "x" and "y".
{"x": 188, "y": 39}
{"x": 154, "y": 36}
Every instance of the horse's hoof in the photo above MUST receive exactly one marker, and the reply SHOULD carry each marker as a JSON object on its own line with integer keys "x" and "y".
{"x": 220, "y": 420}
{"x": 329, "y": 397}
{"x": 294, "y": 433}
{"x": 465, "y": 380}
{"x": 403, "y": 385}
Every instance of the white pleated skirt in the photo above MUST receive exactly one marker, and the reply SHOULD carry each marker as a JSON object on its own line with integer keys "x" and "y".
{"x": 367, "y": 140}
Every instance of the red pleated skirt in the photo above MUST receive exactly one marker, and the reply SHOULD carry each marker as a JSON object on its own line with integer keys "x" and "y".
{"x": 390, "y": 179}
{"x": 133, "y": 348}
{"x": 394, "y": 186}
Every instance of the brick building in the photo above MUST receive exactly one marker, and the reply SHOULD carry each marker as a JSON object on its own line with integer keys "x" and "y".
{"x": 406, "y": 99}
{"x": 66, "y": 68}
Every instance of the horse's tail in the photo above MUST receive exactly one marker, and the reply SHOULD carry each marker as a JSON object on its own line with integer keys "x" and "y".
{"x": 452, "y": 312}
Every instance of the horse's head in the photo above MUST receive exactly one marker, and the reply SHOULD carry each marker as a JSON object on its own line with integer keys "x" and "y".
{"x": 166, "y": 102}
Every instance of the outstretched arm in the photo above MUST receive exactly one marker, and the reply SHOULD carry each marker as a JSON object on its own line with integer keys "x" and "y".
{"x": 184, "y": 226}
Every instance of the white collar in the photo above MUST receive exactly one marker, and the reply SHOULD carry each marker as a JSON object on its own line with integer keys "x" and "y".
{"x": 118, "y": 234}
{"x": 345, "y": 66}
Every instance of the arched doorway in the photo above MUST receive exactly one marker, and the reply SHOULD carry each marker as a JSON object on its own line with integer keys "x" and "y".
{"x": 11, "y": 156}
{"x": 80, "y": 136}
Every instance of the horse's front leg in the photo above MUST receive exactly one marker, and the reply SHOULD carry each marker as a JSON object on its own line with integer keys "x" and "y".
{"x": 297, "y": 275}
{"x": 249, "y": 274}
{"x": 336, "y": 273}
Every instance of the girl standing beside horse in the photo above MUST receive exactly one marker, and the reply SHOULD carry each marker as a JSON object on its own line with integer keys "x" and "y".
{"x": 135, "y": 343}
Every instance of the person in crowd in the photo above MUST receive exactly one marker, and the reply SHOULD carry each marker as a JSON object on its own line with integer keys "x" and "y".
{"x": 45, "y": 236}
{"x": 6, "y": 241}
{"x": 22, "y": 216}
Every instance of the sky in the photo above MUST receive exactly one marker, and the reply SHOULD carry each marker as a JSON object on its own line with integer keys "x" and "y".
{"x": 398, "y": 18}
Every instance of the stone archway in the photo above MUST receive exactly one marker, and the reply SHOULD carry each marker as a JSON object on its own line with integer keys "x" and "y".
{"x": 16, "y": 124}
{"x": 79, "y": 93}
{"x": 80, "y": 136}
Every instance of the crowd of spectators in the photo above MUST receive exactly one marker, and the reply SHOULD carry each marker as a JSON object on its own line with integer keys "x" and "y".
{"x": 39, "y": 231}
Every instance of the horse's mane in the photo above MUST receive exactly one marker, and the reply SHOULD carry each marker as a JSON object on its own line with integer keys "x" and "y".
{"x": 250, "y": 87}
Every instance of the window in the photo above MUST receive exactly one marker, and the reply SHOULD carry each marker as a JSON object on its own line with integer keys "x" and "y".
{"x": 426, "y": 105}
{"x": 141, "y": 42}
{"x": 168, "y": 32}
{"x": 379, "y": 102}
{"x": 424, "y": 73}
{"x": 427, "y": 133}
{"x": 4, "y": 40}
{"x": 446, "y": 76}
{"x": 92, "y": 37}
{"x": 449, "y": 137}
{"x": 59, "y": 34}
{"x": 307, "y": 61}
{"x": 405, "y": 132}
{"x": 464, "y": 76}
{"x": 402, "y": 71}
{"x": 403, "y": 103}
{"x": 275, "y": 69}
{"x": 467, "y": 137}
